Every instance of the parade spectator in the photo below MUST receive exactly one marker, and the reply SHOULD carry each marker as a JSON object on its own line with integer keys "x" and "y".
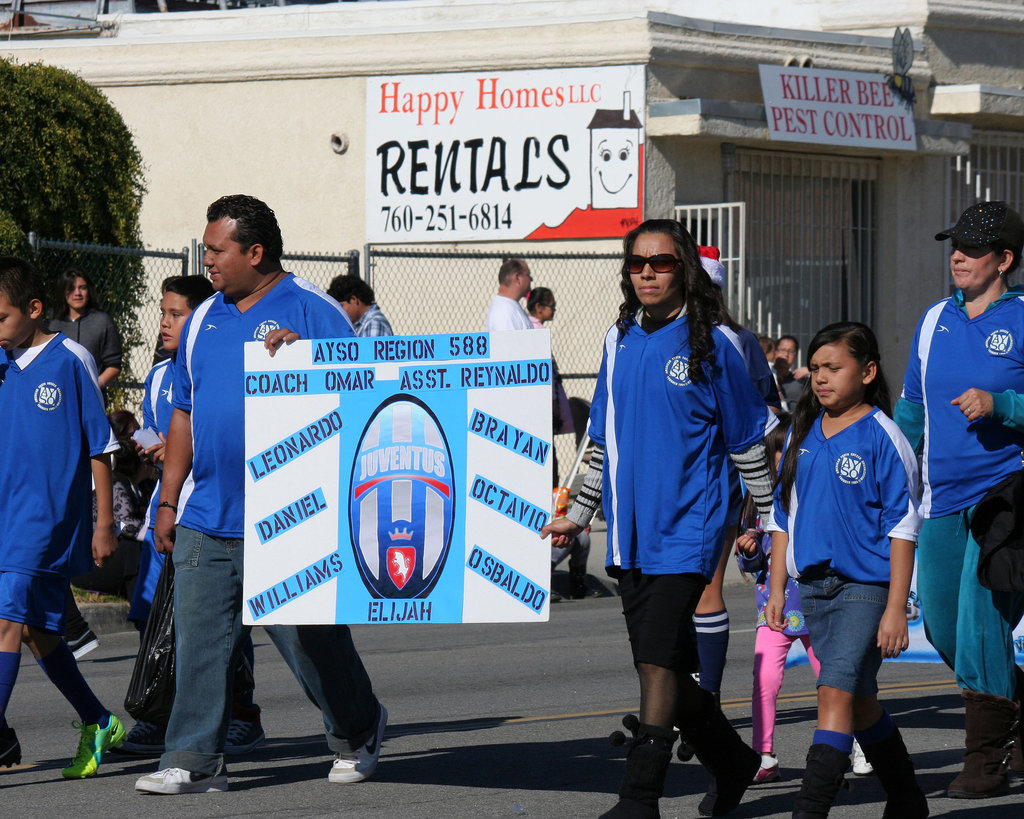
{"x": 844, "y": 522}
{"x": 963, "y": 402}
{"x": 786, "y": 350}
{"x": 357, "y": 300}
{"x": 80, "y": 319}
{"x": 673, "y": 398}
{"x": 51, "y": 406}
{"x": 243, "y": 256}
{"x": 505, "y": 312}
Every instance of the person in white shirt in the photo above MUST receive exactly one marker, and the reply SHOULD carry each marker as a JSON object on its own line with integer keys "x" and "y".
{"x": 505, "y": 312}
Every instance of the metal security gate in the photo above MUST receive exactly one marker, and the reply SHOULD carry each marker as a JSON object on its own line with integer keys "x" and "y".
{"x": 723, "y": 226}
{"x": 811, "y": 240}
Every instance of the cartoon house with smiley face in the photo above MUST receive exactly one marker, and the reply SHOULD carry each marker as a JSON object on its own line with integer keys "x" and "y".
{"x": 615, "y": 157}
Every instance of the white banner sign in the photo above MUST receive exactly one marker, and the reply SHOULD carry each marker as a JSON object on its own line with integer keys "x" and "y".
{"x": 545, "y": 154}
{"x": 835, "y": 108}
{"x": 398, "y": 479}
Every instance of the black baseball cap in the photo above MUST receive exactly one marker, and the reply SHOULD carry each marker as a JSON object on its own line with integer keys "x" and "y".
{"x": 985, "y": 223}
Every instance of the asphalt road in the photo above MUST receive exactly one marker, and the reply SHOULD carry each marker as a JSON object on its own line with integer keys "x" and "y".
{"x": 486, "y": 721}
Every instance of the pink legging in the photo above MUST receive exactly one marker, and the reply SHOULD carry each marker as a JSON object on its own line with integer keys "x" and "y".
{"x": 770, "y": 650}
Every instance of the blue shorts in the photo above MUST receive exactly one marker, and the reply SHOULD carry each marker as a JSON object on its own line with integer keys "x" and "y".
{"x": 842, "y": 620}
{"x": 34, "y": 600}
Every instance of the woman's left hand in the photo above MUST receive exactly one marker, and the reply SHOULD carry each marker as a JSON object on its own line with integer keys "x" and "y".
{"x": 975, "y": 404}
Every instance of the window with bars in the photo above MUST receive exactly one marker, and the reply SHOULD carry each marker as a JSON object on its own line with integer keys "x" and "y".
{"x": 811, "y": 240}
{"x": 994, "y": 169}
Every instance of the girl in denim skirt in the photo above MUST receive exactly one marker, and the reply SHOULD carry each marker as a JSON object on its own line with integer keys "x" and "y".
{"x": 844, "y": 523}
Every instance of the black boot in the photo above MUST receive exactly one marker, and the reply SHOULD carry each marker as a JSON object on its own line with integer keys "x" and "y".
{"x": 731, "y": 762}
{"x": 646, "y": 766}
{"x": 823, "y": 777}
{"x": 892, "y": 764}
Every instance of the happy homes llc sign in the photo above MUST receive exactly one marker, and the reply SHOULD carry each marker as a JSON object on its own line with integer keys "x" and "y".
{"x": 835, "y": 108}
{"x": 536, "y": 154}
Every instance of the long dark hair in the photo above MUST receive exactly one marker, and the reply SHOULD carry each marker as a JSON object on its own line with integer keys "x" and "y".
{"x": 65, "y": 284}
{"x": 863, "y": 346}
{"x": 702, "y": 310}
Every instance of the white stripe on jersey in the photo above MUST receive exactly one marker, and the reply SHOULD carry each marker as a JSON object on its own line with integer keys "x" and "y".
{"x": 312, "y": 288}
{"x": 928, "y": 324}
{"x": 89, "y": 362}
{"x": 611, "y": 447}
{"x": 910, "y": 523}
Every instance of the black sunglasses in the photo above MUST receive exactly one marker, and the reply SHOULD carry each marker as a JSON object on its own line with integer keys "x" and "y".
{"x": 662, "y": 263}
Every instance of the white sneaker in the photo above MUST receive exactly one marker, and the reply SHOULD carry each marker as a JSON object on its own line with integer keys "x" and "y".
{"x": 861, "y": 766}
{"x": 359, "y": 765}
{"x": 178, "y": 780}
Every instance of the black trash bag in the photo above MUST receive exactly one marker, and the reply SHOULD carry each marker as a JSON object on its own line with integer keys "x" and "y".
{"x": 150, "y": 694}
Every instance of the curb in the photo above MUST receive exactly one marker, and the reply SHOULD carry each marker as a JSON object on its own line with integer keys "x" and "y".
{"x": 106, "y": 618}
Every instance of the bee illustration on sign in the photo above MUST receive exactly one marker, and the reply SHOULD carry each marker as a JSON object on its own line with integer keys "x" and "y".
{"x": 402, "y": 500}
{"x": 899, "y": 81}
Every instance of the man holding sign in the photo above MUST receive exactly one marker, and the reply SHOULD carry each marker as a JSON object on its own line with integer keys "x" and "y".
{"x": 203, "y": 492}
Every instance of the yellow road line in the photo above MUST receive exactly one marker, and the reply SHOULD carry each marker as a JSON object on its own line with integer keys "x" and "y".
{"x": 800, "y": 696}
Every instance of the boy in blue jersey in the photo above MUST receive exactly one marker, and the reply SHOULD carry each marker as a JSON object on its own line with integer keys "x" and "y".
{"x": 256, "y": 300}
{"x": 49, "y": 394}
{"x": 181, "y": 295}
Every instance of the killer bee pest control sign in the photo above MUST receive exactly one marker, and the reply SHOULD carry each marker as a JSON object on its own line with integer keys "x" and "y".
{"x": 398, "y": 479}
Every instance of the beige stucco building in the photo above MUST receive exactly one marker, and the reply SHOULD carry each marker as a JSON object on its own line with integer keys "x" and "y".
{"x": 260, "y": 100}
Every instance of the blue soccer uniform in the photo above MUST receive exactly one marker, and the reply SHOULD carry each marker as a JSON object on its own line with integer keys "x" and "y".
{"x": 667, "y": 442}
{"x": 951, "y": 353}
{"x": 54, "y": 422}
{"x": 208, "y": 384}
{"x": 852, "y": 493}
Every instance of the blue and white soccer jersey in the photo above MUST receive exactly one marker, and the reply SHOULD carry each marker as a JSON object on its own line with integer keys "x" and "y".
{"x": 156, "y": 415}
{"x": 951, "y": 353}
{"x": 852, "y": 492}
{"x": 667, "y": 442}
{"x": 208, "y": 383}
{"x": 53, "y": 423}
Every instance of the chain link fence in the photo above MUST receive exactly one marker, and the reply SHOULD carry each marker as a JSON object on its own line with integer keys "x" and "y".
{"x": 128, "y": 284}
{"x": 426, "y": 290}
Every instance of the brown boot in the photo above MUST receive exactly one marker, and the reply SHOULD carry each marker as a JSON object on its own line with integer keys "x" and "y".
{"x": 1017, "y": 757}
{"x": 991, "y": 730}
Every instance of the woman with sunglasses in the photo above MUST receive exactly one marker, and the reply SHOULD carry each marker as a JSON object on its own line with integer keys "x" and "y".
{"x": 673, "y": 403}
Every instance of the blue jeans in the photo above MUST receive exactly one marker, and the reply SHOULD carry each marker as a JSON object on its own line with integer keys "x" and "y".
{"x": 970, "y": 626}
{"x": 209, "y": 634}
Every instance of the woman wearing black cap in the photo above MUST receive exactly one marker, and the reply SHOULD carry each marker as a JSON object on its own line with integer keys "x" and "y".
{"x": 963, "y": 397}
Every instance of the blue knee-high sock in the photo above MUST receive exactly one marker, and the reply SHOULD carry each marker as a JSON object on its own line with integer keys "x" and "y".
{"x": 9, "y": 664}
{"x": 712, "y": 631}
{"x": 841, "y": 742}
{"x": 879, "y": 732}
{"x": 62, "y": 669}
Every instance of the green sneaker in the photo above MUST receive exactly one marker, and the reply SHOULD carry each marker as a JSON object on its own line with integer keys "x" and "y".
{"x": 94, "y": 743}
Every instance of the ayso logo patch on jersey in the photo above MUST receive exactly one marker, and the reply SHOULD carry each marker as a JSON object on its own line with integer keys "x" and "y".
{"x": 265, "y": 327}
{"x": 402, "y": 500}
{"x": 48, "y": 396}
{"x": 999, "y": 342}
{"x": 850, "y": 468}
{"x": 677, "y": 370}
